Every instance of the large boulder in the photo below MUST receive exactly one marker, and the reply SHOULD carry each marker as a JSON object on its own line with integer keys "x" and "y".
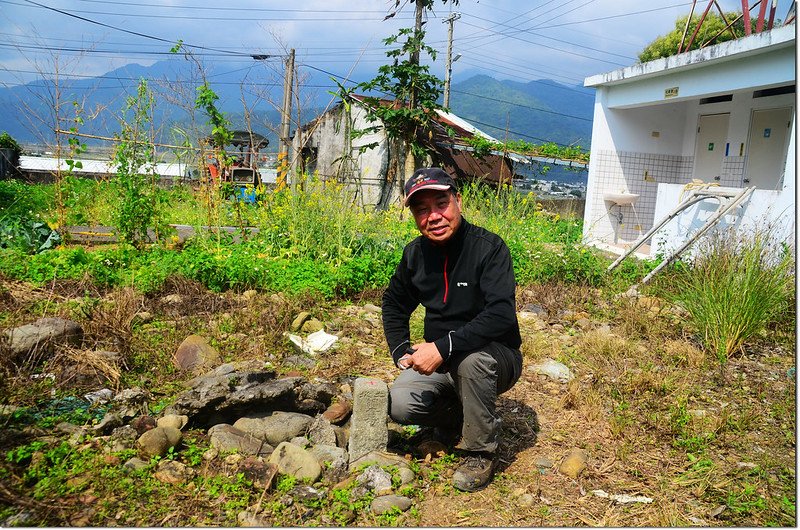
{"x": 39, "y": 339}
{"x": 232, "y": 391}
{"x": 196, "y": 355}
{"x": 276, "y": 427}
{"x": 296, "y": 461}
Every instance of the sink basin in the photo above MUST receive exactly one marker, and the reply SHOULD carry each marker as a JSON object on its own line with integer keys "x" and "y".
{"x": 621, "y": 199}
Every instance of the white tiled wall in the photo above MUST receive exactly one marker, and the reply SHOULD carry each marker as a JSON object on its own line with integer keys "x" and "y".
{"x": 638, "y": 173}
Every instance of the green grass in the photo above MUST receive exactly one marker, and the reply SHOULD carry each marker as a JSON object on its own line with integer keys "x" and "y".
{"x": 734, "y": 289}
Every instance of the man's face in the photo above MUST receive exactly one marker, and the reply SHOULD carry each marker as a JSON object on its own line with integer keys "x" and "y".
{"x": 437, "y": 214}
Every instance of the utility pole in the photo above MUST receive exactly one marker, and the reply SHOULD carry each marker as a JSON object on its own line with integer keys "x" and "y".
{"x": 449, "y": 69}
{"x": 286, "y": 114}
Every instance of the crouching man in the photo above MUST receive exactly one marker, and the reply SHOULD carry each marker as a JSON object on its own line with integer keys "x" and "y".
{"x": 462, "y": 275}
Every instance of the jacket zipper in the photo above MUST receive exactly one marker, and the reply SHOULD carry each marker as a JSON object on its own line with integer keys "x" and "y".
{"x": 446, "y": 283}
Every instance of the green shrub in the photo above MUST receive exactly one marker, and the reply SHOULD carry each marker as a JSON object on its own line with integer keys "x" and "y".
{"x": 734, "y": 288}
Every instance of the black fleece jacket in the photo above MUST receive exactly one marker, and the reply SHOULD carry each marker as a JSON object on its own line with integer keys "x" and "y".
{"x": 467, "y": 288}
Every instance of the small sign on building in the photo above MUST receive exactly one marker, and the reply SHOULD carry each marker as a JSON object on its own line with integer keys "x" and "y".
{"x": 670, "y": 92}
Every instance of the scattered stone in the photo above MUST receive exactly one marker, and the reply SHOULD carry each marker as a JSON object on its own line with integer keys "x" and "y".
{"x": 135, "y": 464}
{"x": 746, "y": 465}
{"x": 300, "y": 361}
{"x": 210, "y": 454}
{"x": 532, "y": 320}
{"x": 122, "y": 438}
{"x": 130, "y": 403}
{"x": 321, "y": 432}
{"x": 173, "y": 472}
{"x": 537, "y": 310}
{"x": 386, "y": 503}
{"x": 698, "y": 413}
{"x": 248, "y": 519}
{"x": 525, "y": 500}
{"x": 196, "y": 355}
{"x": 716, "y": 512}
{"x": 176, "y": 421}
{"x": 172, "y": 299}
{"x": 368, "y": 430}
{"x": 574, "y": 464}
{"x": 583, "y": 323}
{"x": 157, "y": 441}
{"x": 249, "y": 294}
{"x": 277, "y": 427}
{"x": 226, "y": 438}
{"x": 622, "y": 498}
{"x": 39, "y": 339}
{"x": 382, "y": 458}
{"x": 406, "y": 476}
{"x": 376, "y": 479}
{"x": 300, "y": 441}
{"x": 142, "y": 424}
{"x": 312, "y": 325}
{"x": 233, "y": 460}
{"x": 543, "y": 463}
{"x": 306, "y": 494}
{"x": 109, "y": 422}
{"x": 292, "y": 460}
{"x": 99, "y": 397}
{"x": 261, "y": 473}
{"x": 299, "y": 320}
{"x": 20, "y": 519}
{"x": 68, "y": 428}
{"x": 338, "y": 412}
{"x": 431, "y": 449}
{"x": 142, "y": 317}
{"x": 552, "y": 369}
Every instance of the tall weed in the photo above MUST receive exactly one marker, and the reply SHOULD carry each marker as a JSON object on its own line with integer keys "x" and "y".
{"x": 734, "y": 288}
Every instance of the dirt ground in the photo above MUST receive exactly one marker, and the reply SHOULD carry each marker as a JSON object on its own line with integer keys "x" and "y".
{"x": 653, "y": 415}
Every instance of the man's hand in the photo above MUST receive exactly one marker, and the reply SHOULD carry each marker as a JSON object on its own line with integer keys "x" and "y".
{"x": 426, "y": 359}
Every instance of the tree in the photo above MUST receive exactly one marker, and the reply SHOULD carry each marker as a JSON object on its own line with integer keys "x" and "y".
{"x": 414, "y": 89}
{"x": 713, "y": 26}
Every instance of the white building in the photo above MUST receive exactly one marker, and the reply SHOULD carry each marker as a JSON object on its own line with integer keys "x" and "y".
{"x": 724, "y": 115}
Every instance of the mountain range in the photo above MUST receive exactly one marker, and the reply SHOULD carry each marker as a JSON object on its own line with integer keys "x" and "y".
{"x": 538, "y": 111}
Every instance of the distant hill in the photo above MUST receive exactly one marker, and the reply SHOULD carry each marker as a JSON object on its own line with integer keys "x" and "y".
{"x": 533, "y": 111}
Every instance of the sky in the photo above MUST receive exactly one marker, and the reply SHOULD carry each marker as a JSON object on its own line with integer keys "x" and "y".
{"x": 521, "y": 40}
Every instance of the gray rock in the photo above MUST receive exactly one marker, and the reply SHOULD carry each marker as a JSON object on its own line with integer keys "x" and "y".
{"x": 321, "y": 432}
{"x": 135, "y": 464}
{"x": 372, "y": 308}
{"x": 249, "y": 294}
{"x": 173, "y": 420}
{"x": 300, "y": 441}
{"x": 385, "y": 503}
{"x": 583, "y": 323}
{"x": 130, "y": 403}
{"x": 382, "y": 458}
{"x": 543, "y": 462}
{"x": 295, "y": 461}
{"x": 156, "y": 442}
{"x": 39, "y": 339}
{"x": 172, "y": 299}
{"x": 249, "y": 519}
{"x": 196, "y": 355}
{"x": 376, "y": 479}
{"x": 525, "y": 500}
{"x": 277, "y": 427}
{"x": 99, "y": 397}
{"x": 537, "y": 310}
{"x": 306, "y": 494}
{"x": 368, "y": 430}
{"x": 122, "y": 438}
{"x": 552, "y": 369}
{"x": 333, "y": 460}
{"x": 406, "y": 476}
{"x": 109, "y": 422}
{"x": 20, "y": 519}
{"x": 227, "y": 438}
{"x": 227, "y": 393}
{"x": 300, "y": 361}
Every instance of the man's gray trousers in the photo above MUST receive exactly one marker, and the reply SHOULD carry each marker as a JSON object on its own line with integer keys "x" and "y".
{"x": 462, "y": 398}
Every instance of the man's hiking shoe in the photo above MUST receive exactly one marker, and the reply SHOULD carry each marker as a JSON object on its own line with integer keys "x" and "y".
{"x": 475, "y": 471}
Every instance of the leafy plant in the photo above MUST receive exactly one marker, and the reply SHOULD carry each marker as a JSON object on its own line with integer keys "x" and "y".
{"x": 8, "y": 142}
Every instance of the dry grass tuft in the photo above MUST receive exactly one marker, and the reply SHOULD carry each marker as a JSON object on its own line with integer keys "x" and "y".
{"x": 80, "y": 368}
{"x": 683, "y": 353}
